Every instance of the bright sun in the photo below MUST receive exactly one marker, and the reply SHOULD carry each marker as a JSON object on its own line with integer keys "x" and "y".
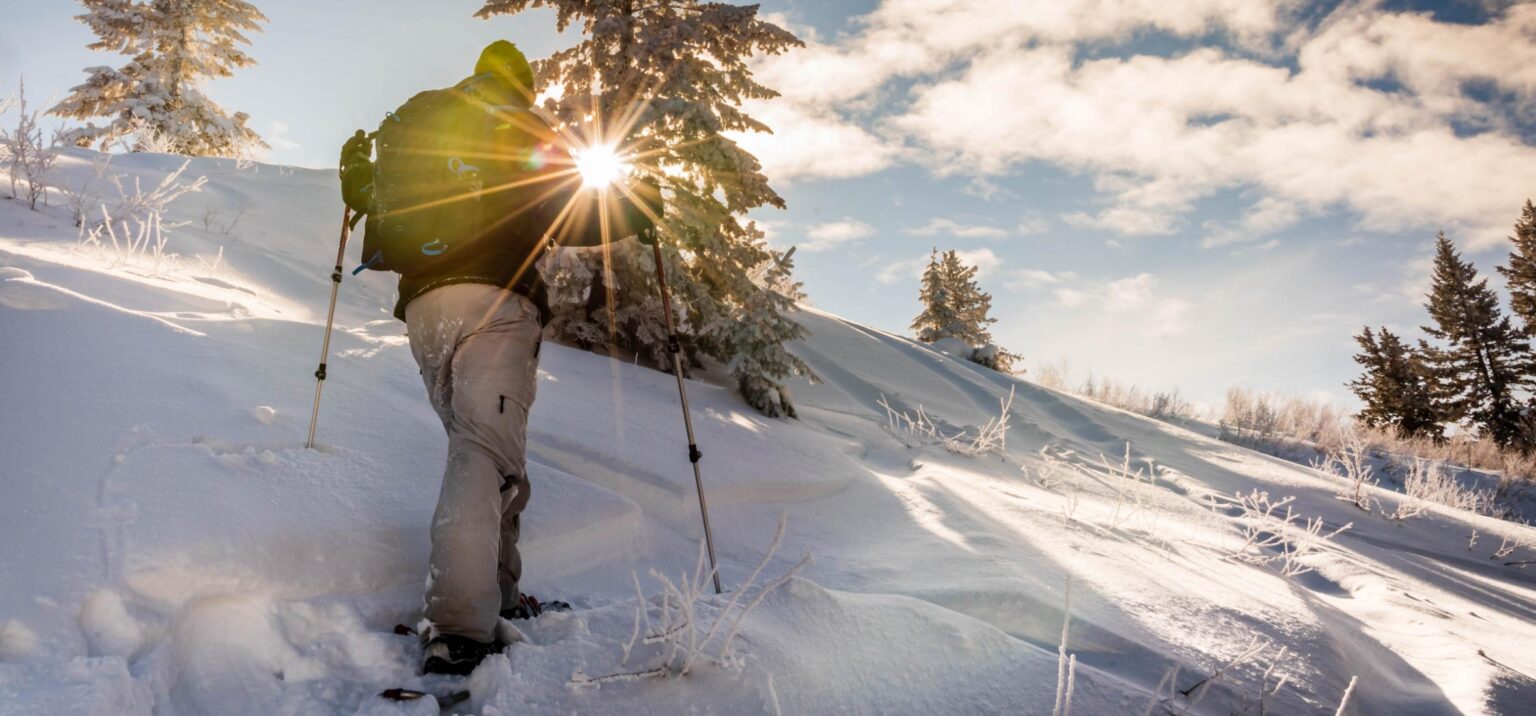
{"x": 600, "y": 166}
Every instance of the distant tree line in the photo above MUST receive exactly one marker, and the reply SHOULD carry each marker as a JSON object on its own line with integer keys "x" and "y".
{"x": 1477, "y": 369}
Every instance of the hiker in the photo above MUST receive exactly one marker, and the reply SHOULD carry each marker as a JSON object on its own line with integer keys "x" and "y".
{"x": 466, "y": 193}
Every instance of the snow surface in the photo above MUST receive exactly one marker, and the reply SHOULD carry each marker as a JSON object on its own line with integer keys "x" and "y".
{"x": 170, "y": 548}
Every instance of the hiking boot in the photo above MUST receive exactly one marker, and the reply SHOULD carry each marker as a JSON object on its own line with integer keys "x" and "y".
{"x": 528, "y": 608}
{"x": 457, "y": 655}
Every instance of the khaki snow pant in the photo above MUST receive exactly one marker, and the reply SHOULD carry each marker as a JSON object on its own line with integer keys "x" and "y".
{"x": 478, "y": 348}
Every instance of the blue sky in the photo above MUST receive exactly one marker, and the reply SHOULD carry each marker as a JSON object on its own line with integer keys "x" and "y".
{"x": 1196, "y": 194}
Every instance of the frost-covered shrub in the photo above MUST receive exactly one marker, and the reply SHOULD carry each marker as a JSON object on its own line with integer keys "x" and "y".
{"x": 686, "y": 628}
{"x": 1347, "y": 457}
{"x": 1164, "y": 405}
{"x": 1427, "y": 481}
{"x": 990, "y": 355}
{"x": 1260, "y": 418}
{"x": 28, "y": 159}
{"x": 1273, "y": 534}
{"x": 1055, "y": 375}
{"x": 135, "y": 228}
{"x": 914, "y": 428}
{"x": 997, "y": 358}
{"x": 83, "y": 194}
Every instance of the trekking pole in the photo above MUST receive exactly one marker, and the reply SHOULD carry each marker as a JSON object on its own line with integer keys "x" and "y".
{"x": 676, "y": 349}
{"x": 330, "y": 317}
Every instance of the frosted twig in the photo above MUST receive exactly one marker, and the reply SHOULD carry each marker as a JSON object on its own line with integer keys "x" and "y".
{"x": 579, "y": 678}
{"x": 1507, "y": 547}
{"x": 1169, "y": 681}
{"x": 1071, "y": 683}
{"x": 914, "y": 428}
{"x": 1196, "y": 692}
{"x": 778, "y": 536}
{"x": 1049, "y": 475}
{"x": 773, "y": 697}
{"x": 1063, "y": 662}
{"x": 725, "y": 650}
{"x": 1272, "y": 534}
{"x": 1346, "y": 458}
{"x": 639, "y": 614}
{"x": 680, "y": 629}
{"x": 1348, "y": 691}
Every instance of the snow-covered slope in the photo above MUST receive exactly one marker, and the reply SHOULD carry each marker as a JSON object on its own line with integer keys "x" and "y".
{"x": 170, "y": 548}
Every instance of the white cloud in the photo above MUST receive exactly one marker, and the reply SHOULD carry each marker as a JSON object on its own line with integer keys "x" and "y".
{"x": 277, "y": 137}
{"x": 1128, "y": 221}
{"x": 1024, "y": 279}
{"x": 1432, "y": 59}
{"x": 1136, "y": 298}
{"x": 912, "y": 269}
{"x": 1129, "y": 293}
{"x": 904, "y": 270}
{"x": 829, "y": 87}
{"x": 1071, "y": 297}
{"x": 1032, "y": 224}
{"x": 1132, "y": 305}
{"x": 1160, "y": 133}
{"x": 812, "y": 143}
{"x": 1294, "y": 121}
{"x": 1265, "y": 216}
{"x": 983, "y": 259}
{"x": 949, "y": 227}
{"x": 830, "y": 235}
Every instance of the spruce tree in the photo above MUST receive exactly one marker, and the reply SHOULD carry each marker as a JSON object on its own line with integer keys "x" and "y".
{"x": 667, "y": 78}
{"x": 1521, "y": 271}
{"x": 1484, "y": 360}
{"x": 1396, "y": 388}
{"x": 938, "y": 306}
{"x": 173, "y": 46}
{"x": 954, "y": 306}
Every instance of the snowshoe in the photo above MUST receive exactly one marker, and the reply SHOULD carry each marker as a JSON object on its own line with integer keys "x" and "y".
{"x": 456, "y": 655}
{"x": 444, "y": 701}
{"x": 529, "y": 607}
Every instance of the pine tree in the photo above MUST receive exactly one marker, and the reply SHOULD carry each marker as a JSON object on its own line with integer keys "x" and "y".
{"x": 668, "y": 78}
{"x": 1396, "y": 388}
{"x": 174, "y": 45}
{"x": 954, "y": 306}
{"x": 1484, "y": 359}
{"x": 1521, "y": 271}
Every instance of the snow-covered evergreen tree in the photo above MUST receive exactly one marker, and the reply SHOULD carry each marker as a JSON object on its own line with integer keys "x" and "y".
{"x": 667, "y": 78}
{"x": 1484, "y": 359}
{"x": 1521, "y": 271}
{"x": 155, "y": 99}
{"x": 570, "y": 275}
{"x": 954, "y": 306}
{"x": 1396, "y": 390}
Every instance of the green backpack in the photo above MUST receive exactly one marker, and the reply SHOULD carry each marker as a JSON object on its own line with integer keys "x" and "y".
{"x": 453, "y": 168}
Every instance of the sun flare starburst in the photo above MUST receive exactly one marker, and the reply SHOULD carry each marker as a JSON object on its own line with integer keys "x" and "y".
{"x": 600, "y": 166}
